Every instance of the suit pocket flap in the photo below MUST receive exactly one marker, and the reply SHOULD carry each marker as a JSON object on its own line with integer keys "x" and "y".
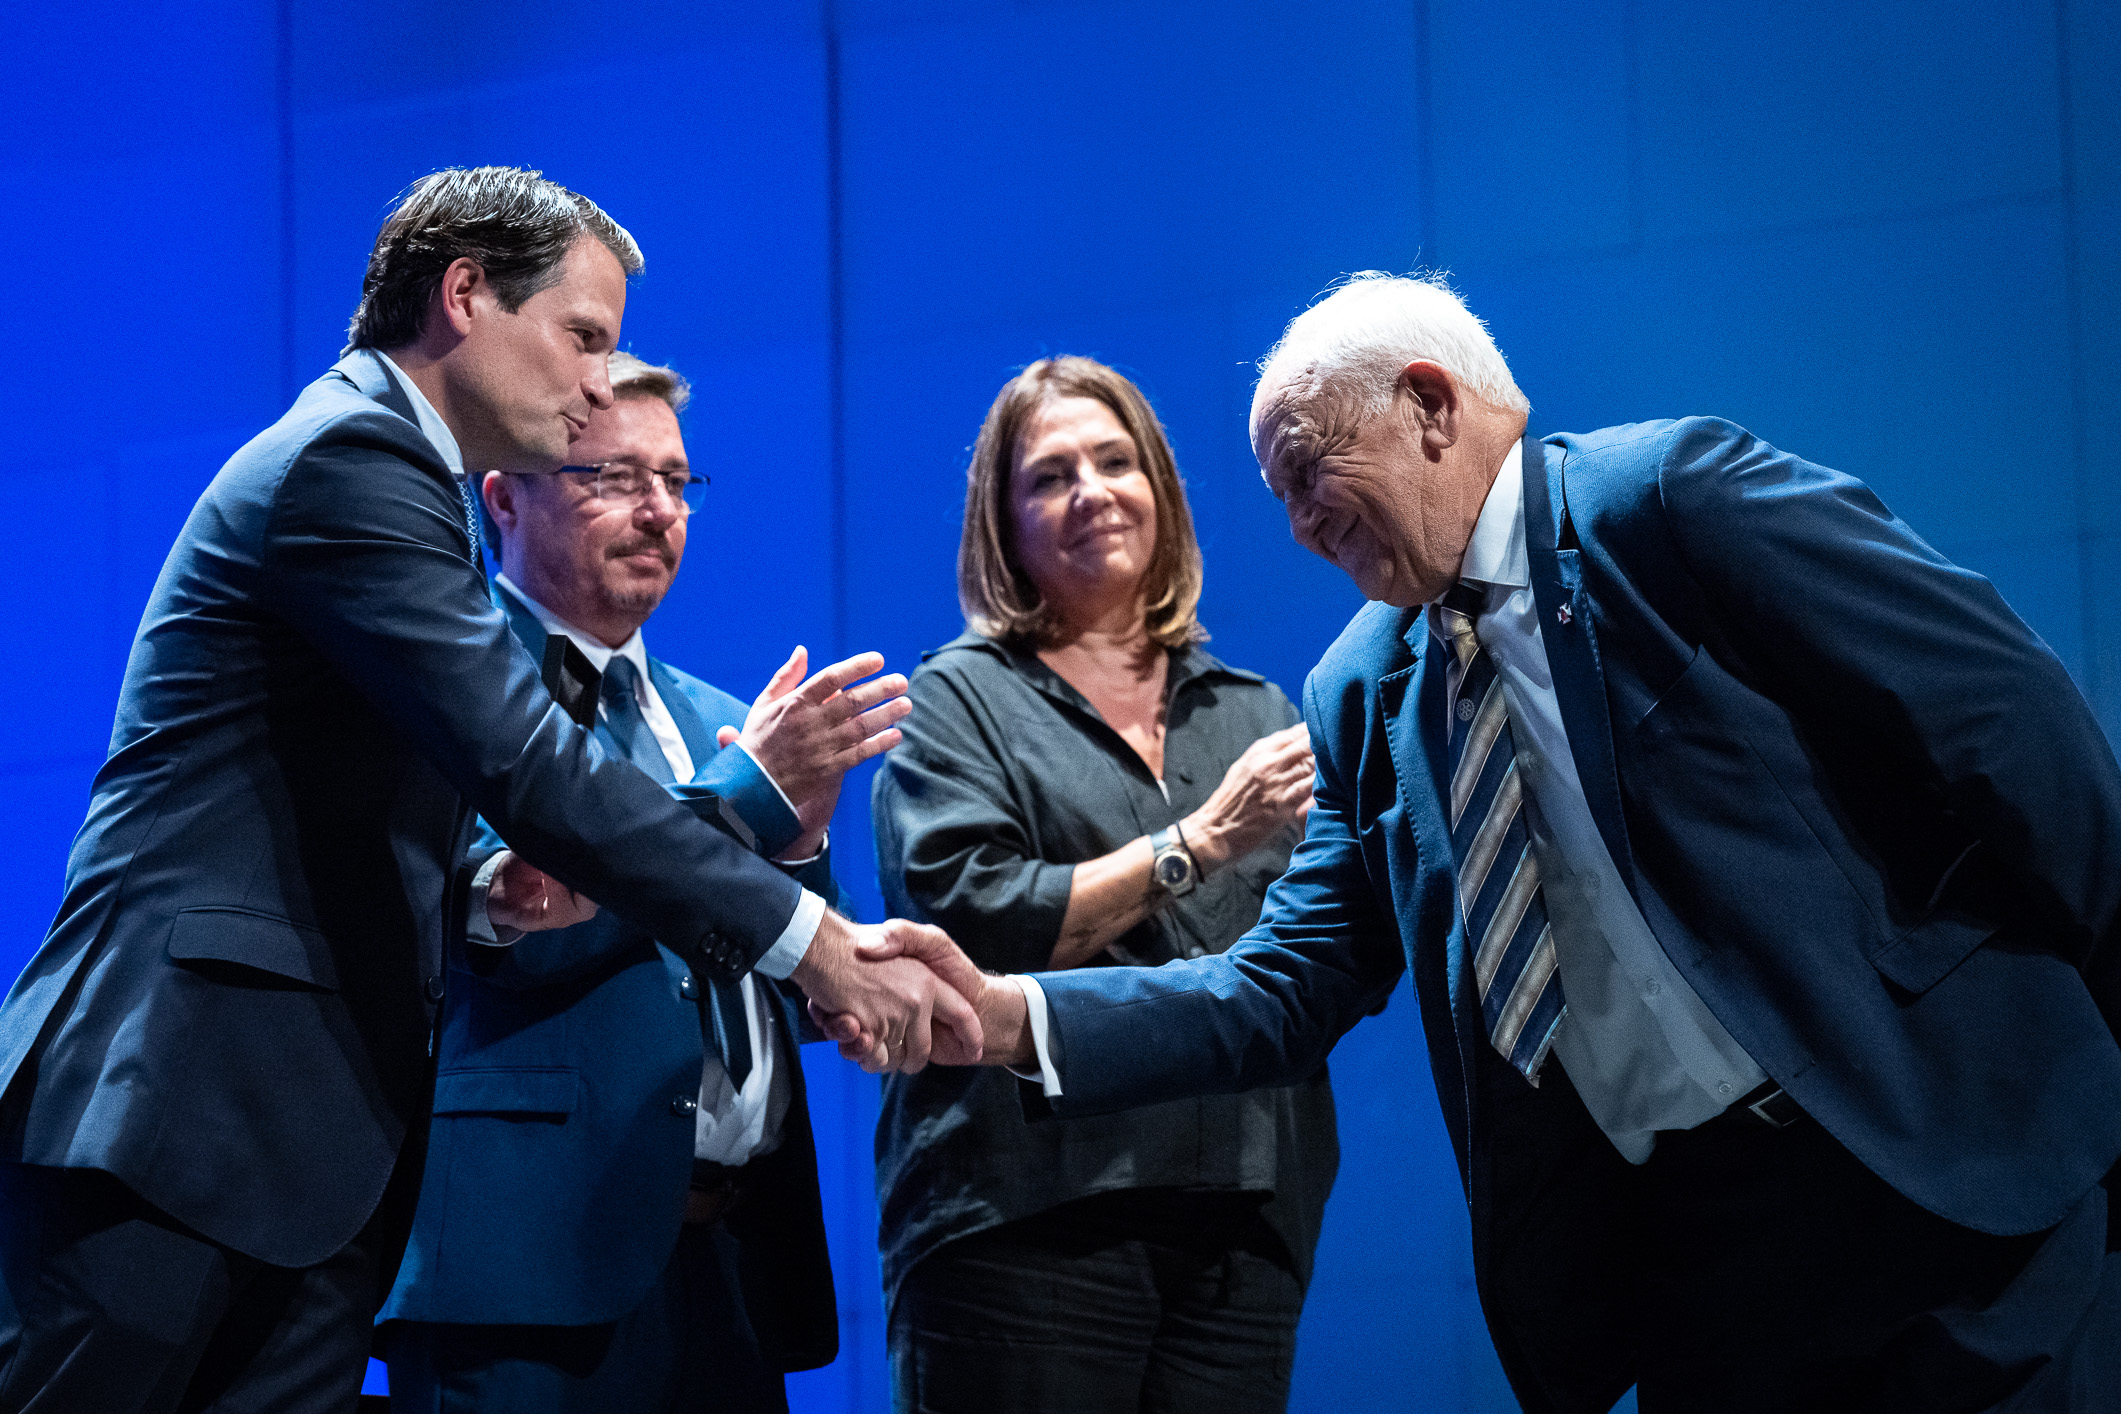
{"x": 258, "y": 940}
{"x": 538, "y": 1090}
{"x": 1918, "y": 959}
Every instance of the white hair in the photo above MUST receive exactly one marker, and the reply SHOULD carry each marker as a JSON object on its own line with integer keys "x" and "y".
{"x": 1353, "y": 343}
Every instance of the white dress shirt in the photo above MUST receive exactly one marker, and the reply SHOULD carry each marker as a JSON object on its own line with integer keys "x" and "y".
{"x": 1640, "y": 1046}
{"x": 431, "y": 424}
{"x": 731, "y": 1126}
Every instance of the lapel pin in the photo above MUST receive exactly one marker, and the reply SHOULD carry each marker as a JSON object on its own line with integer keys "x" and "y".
{"x": 1562, "y": 615}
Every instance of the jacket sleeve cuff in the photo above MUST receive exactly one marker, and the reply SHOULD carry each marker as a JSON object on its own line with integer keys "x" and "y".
{"x": 734, "y": 789}
{"x": 789, "y": 949}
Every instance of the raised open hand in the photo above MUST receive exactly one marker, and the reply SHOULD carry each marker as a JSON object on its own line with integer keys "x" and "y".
{"x": 809, "y": 734}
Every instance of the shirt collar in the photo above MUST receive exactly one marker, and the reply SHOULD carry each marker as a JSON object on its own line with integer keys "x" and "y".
{"x": 431, "y": 423}
{"x": 1496, "y": 553}
{"x": 633, "y": 650}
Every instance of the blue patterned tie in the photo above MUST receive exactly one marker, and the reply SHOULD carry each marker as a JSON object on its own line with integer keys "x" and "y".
{"x": 625, "y": 724}
{"x": 1498, "y": 879}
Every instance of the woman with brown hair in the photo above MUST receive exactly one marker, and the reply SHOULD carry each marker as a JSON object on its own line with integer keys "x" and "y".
{"x": 1081, "y": 784}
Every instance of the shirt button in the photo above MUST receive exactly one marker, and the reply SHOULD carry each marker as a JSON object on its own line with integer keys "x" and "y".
{"x": 684, "y": 1106}
{"x": 1724, "y": 1088}
{"x": 1651, "y": 988}
{"x": 434, "y": 988}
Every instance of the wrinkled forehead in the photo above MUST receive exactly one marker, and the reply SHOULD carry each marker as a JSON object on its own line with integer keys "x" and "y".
{"x": 1289, "y": 430}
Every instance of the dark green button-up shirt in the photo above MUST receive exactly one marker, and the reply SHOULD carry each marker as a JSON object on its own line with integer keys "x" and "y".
{"x": 1006, "y": 780}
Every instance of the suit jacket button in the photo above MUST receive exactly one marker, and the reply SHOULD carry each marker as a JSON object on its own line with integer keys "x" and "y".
{"x": 684, "y": 1106}
{"x": 434, "y": 988}
{"x": 687, "y": 988}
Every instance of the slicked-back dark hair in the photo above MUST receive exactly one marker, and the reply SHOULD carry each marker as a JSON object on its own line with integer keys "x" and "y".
{"x": 515, "y": 224}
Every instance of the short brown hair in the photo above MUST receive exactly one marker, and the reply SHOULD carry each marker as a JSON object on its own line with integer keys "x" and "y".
{"x": 516, "y": 225}
{"x": 636, "y": 377}
{"x": 998, "y": 598}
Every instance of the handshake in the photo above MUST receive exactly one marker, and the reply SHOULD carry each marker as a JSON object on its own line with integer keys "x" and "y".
{"x": 894, "y": 995}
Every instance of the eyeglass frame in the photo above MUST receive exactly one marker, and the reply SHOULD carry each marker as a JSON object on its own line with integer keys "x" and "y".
{"x": 596, "y": 469}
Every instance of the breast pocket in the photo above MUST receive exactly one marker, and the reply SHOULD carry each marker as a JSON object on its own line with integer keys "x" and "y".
{"x": 547, "y": 1091}
{"x": 258, "y": 942}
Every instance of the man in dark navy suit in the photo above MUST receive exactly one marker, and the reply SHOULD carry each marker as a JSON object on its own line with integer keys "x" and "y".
{"x": 209, "y": 1070}
{"x": 1759, "y": 872}
{"x": 620, "y": 1208}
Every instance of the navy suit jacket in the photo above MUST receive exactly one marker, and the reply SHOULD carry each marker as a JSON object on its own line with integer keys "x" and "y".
{"x": 561, "y": 1148}
{"x": 232, "y": 1011}
{"x": 1859, "y": 803}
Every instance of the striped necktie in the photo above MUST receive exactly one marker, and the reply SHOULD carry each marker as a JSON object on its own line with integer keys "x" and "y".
{"x": 1498, "y": 879}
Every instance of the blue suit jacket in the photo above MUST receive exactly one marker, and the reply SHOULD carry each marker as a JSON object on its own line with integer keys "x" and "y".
{"x": 1859, "y": 803}
{"x": 561, "y": 1147}
{"x": 232, "y": 1011}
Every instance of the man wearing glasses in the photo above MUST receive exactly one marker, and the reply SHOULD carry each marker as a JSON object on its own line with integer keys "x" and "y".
{"x": 620, "y": 1207}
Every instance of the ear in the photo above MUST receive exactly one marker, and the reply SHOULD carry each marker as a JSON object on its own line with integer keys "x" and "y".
{"x": 499, "y": 490}
{"x": 1432, "y": 396}
{"x": 461, "y": 287}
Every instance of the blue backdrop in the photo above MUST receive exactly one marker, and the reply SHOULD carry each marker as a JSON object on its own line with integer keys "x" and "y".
{"x": 1883, "y": 233}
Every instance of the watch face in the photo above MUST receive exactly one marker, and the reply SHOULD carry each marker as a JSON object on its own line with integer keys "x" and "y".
{"x": 1171, "y": 870}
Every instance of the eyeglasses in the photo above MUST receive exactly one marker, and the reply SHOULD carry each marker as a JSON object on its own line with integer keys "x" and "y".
{"x": 624, "y": 484}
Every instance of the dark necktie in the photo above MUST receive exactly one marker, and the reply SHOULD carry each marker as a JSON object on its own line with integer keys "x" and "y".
{"x": 628, "y": 730}
{"x": 623, "y": 720}
{"x": 1498, "y": 879}
{"x": 732, "y": 1029}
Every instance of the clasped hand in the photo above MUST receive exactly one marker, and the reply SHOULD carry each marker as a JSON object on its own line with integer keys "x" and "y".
{"x": 895, "y": 995}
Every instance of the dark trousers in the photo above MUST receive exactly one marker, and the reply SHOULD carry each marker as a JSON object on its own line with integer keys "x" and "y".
{"x": 1748, "y": 1268}
{"x": 111, "y": 1305}
{"x": 1143, "y": 1301}
{"x": 688, "y": 1348}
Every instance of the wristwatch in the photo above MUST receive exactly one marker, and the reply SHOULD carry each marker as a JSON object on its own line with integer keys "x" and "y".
{"x": 1171, "y": 864}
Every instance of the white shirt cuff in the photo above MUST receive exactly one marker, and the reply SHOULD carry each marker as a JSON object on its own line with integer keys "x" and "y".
{"x": 789, "y": 949}
{"x": 1041, "y": 1022}
{"x": 478, "y": 928}
{"x": 823, "y": 845}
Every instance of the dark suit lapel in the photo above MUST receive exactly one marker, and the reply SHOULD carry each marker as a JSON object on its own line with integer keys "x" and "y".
{"x": 1566, "y": 627}
{"x": 1411, "y": 700}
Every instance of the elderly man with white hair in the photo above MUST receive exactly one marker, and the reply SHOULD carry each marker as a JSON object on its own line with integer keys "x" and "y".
{"x": 1759, "y": 872}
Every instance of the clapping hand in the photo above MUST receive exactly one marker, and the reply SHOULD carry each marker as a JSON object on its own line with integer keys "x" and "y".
{"x": 1266, "y": 789}
{"x": 808, "y": 734}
